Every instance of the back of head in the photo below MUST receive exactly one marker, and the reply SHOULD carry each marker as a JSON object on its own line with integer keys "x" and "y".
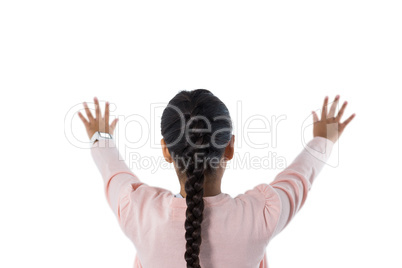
{"x": 196, "y": 127}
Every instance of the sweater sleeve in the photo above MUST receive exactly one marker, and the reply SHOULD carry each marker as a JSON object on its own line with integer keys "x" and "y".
{"x": 287, "y": 193}
{"x": 295, "y": 181}
{"x": 119, "y": 180}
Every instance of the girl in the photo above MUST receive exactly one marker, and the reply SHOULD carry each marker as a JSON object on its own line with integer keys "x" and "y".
{"x": 201, "y": 226}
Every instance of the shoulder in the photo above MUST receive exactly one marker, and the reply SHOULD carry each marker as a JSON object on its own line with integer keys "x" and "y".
{"x": 266, "y": 200}
{"x": 263, "y": 193}
{"x": 146, "y": 191}
{"x": 150, "y": 200}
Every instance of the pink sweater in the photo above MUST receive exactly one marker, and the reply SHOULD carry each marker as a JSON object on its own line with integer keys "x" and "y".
{"x": 235, "y": 231}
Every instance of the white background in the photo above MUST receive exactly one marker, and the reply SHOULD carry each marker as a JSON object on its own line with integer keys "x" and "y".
{"x": 276, "y": 58}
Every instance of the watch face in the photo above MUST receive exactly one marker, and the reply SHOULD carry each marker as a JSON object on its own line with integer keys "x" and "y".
{"x": 105, "y": 135}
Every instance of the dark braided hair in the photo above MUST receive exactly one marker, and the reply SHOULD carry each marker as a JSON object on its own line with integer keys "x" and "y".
{"x": 196, "y": 127}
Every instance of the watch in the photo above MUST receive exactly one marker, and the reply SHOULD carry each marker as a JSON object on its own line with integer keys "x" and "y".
{"x": 100, "y": 135}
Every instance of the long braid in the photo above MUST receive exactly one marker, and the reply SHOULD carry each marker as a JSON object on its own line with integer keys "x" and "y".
{"x": 195, "y": 152}
{"x": 194, "y": 187}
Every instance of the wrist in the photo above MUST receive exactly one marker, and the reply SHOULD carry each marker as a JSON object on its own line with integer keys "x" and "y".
{"x": 332, "y": 139}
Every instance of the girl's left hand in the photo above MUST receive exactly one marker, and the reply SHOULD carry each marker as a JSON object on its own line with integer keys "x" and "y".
{"x": 98, "y": 123}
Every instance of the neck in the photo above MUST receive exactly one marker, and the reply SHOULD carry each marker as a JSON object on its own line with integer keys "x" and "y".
{"x": 212, "y": 185}
{"x": 209, "y": 189}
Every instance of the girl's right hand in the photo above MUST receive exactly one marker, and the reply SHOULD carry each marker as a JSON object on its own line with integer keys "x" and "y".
{"x": 329, "y": 126}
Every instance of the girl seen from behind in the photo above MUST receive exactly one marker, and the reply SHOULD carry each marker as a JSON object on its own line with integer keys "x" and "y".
{"x": 201, "y": 226}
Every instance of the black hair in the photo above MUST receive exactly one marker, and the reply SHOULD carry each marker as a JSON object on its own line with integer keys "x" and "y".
{"x": 196, "y": 127}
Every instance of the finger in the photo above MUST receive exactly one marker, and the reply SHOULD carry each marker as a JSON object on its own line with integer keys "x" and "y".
{"x": 113, "y": 125}
{"x": 333, "y": 107}
{"x": 344, "y": 124}
{"x": 107, "y": 114}
{"x": 88, "y": 112}
{"x": 324, "y": 109}
{"x": 86, "y": 123}
{"x": 339, "y": 116}
{"x": 97, "y": 108}
{"x": 315, "y": 117}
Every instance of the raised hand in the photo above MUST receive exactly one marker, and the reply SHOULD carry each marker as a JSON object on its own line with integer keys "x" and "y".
{"x": 329, "y": 126}
{"x": 97, "y": 123}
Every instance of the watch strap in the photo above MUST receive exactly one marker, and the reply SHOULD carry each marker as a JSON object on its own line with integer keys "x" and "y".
{"x": 100, "y": 135}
